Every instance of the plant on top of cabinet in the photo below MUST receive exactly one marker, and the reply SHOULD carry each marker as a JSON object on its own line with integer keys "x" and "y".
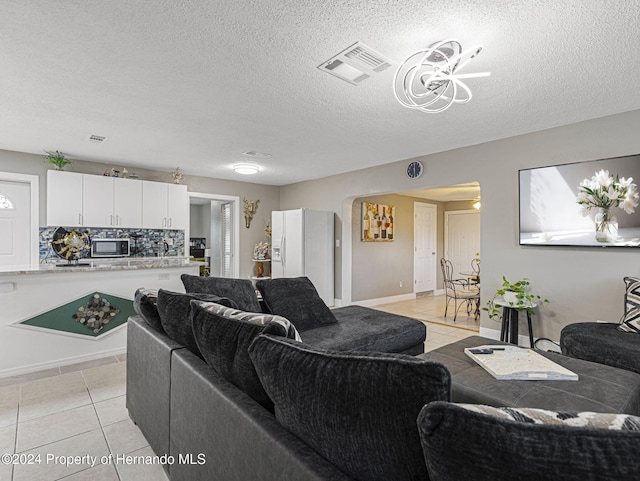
{"x": 57, "y": 158}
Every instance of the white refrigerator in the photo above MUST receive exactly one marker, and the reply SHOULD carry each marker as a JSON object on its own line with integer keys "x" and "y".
{"x": 302, "y": 245}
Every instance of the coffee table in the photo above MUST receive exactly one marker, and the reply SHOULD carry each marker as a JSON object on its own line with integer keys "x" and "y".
{"x": 600, "y": 388}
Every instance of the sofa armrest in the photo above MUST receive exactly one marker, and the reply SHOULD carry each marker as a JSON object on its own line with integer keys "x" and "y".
{"x": 148, "y": 381}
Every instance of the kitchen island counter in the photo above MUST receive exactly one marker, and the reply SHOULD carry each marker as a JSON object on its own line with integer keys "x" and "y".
{"x": 106, "y": 264}
{"x": 41, "y": 291}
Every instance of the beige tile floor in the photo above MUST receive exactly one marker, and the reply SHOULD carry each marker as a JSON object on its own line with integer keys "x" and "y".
{"x": 430, "y": 309}
{"x": 75, "y": 411}
{"x": 80, "y": 410}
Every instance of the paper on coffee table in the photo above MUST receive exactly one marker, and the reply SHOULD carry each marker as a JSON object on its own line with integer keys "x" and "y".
{"x": 516, "y": 363}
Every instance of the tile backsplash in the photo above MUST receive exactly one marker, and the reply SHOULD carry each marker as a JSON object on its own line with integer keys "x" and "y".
{"x": 144, "y": 242}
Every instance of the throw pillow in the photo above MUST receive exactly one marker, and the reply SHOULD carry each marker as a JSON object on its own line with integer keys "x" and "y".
{"x": 223, "y": 336}
{"x": 455, "y": 441}
{"x": 174, "y": 309}
{"x": 145, "y": 303}
{"x": 616, "y": 422}
{"x": 356, "y": 409}
{"x": 631, "y": 318}
{"x": 240, "y": 290}
{"x": 297, "y": 300}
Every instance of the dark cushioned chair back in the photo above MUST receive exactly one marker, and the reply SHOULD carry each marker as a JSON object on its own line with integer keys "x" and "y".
{"x": 174, "y": 309}
{"x": 459, "y": 444}
{"x": 241, "y": 291}
{"x": 356, "y": 409}
{"x": 296, "y": 299}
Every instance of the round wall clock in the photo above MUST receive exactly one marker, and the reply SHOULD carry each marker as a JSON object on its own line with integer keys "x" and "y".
{"x": 414, "y": 169}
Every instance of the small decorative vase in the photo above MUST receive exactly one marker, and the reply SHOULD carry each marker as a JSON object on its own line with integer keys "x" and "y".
{"x": 606, "y": 225}
{"x": 510, "y": 297}
{"x": 260, "y": 269}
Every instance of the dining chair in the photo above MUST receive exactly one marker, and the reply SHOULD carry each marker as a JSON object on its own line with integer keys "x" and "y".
{"x": 475, "y": 268}
{"x": 460, "y": 291}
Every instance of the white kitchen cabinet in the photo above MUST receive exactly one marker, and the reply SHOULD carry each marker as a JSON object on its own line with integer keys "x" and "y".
{"x": 177, "y": 206}
{"x": 127, "y": 203}
{"x": 97, "y": 201}
{"x": 164, "y": 206}
{"x": 111, "y": 201}
{"x": 64, "y": 198}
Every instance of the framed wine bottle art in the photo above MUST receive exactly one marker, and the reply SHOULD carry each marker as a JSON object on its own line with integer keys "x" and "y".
{"x": 378, "y": 222}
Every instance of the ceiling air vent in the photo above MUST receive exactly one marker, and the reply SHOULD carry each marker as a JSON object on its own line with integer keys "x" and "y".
{"x": 356, "y": 63}
{"x": 98, "y": 139}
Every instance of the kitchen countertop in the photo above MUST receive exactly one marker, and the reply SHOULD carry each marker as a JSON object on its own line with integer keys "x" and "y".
{"x": 96, "y": 265}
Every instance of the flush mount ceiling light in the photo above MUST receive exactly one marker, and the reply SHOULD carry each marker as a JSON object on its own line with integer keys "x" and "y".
{"x": 429, "y": 80}
{"x": 246, "y": 168}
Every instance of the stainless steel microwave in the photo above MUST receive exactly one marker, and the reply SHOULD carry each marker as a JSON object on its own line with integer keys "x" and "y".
{"x": 110, "y": 248}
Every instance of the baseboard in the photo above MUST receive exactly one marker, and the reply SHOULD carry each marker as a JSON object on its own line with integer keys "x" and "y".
{"x": 490, "y": 333}
{"x": 523, "y": 340}
{"x": 18, "y": 371}
{"x": 385, "y": 300}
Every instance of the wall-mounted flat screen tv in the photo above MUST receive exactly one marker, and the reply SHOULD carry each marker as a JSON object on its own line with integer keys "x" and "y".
{"x": 578, "y": 204}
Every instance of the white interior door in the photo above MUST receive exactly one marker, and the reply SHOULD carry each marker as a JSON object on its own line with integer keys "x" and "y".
{"x": 15, "y": 223}
{"x": 462, "y": 239}
{"x": 424, "y": 241}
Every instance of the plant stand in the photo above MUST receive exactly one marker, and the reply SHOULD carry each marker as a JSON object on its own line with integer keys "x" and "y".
{"x": 509, "y": 327}
{"x": 261, "y": 270}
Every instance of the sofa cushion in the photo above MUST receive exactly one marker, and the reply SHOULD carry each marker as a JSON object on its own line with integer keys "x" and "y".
{"x": 456, "y": 439}
{"x": 296, "y": 299}
{"x": 364, "y": 329}
{"x": 175, "y": 309}
{"x": 241, "y": 291}
{"x": 603, "y": 343}
{"x": 358, "y": 410}
{"x": 631, "y": 318}
{"x": 145, "y": 303}
{"x": 223, "y": 336}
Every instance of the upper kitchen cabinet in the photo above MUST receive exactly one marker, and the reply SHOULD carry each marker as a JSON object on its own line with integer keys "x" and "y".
{"x": 164, "y": 206}
{"x": 64, "y": 198}
{"x": 97, "y": 201}
{"x": 111, "y": 202}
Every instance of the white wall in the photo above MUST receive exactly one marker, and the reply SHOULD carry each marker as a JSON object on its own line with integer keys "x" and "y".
{"x": 583, "y": 284}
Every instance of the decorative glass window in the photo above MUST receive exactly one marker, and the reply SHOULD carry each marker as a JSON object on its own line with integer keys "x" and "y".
{"x": 5, "y": 202}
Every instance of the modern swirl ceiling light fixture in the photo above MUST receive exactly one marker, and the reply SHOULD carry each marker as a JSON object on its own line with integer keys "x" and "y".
{"x": 429, "y": 80}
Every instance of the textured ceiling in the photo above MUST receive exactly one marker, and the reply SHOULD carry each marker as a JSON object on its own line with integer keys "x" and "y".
{"x": 197, "y": 83}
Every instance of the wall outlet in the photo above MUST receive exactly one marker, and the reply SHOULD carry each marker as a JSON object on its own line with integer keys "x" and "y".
{"x": 163, "y": 277}
{"x": 400, "y": 283}
{"x": 169, "y": 241}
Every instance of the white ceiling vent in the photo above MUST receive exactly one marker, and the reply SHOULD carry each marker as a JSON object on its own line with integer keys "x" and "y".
{"x": 356, "y": 63}
{"x": 96, "y": 139}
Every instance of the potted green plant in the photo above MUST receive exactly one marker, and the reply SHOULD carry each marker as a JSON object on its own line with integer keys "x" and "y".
{"x": 515, "y": 295}
{"x": 57, "y": 158}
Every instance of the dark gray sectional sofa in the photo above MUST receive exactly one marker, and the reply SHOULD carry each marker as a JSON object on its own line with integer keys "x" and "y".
{"x": 189, "y": 411}
{"x": 330, "y": 413}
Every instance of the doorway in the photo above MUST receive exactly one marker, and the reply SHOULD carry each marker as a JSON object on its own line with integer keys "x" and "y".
{"x": 462, "y": 239}
{"x": 18, "y": 219}
{"x": 214, "y": 229}
{"x": 424, "y": 247}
